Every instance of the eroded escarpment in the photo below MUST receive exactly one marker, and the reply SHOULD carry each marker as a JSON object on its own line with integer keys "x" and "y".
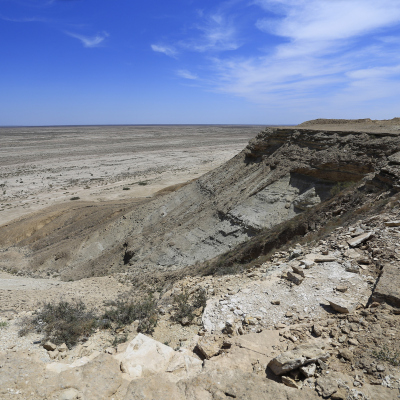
{"x": 280, "y": 174}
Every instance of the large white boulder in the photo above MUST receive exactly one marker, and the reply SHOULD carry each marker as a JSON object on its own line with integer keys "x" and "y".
{"x": 145, "y": 356}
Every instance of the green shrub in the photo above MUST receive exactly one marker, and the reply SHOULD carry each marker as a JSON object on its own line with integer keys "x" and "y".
{"x": 126, "y": 312}
{"x": 62, "y": 323}
{"x": 3, "y": 324}
{"x": 186, "y": 306}
{"x": 75, "y": 198}
{"x": 126, "y": 188}
{"x": 142, "y": 183}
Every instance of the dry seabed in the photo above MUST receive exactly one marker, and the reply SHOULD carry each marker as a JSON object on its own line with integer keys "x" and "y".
{"x": 43, "y": 166}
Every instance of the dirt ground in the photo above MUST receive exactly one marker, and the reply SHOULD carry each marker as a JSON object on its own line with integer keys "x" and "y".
{"x": 43, "y": 166}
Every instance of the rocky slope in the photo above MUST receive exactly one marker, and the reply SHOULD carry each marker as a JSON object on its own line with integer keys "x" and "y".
{"x": 281, "y": 173}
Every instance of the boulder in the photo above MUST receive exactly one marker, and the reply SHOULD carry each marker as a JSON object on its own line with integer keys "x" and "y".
{"x": 215, "y": 384}
{"x": 183, "y": 366}
{"x": 98, "y": 379}
{"x": 144, "y": 355}
{"x": 299, "y": 356}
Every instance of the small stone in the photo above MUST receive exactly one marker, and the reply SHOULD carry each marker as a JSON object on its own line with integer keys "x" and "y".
{"x": 291, "y": 382}
{"x": 298, "y": 270}
{"x": 308, "y": 370}
{"x": 346, "y": 354}
{"x": 341, "y": 394}
{"x": 62, "y": 348}
{"x": 353, "y": 342}
{"x": 295, "y": 278}
{"x": 317, "y": 330}
{"x": 342, "y": 339}
{"x": 53, "y": 354}
{"x": 360, "y": 239}
{"x": 321, "y": 259}
{"x": 299, "y": 356}
{"x": 185, "y": 321}
{"x": 280, "y": 326}
{"x": 342, "y": 288}
{"x": 50, "y": 346}
{"x": 275, "y": 302}
{"x": 342, "y": 306}
{"x": 354, "y": 269}
{"x": 307, "y": 263}
{"x": 248, "y": 320}
{"x": 110, "y": 350}
{"x": 346, "y": 329}
{"x": 208, "y": 347}
{"x": 380, "y": 368}
{"x": 296, "y": 253}
{"x": 289, "y": 314}
{"x": 392, "y": 223}
{"x": 326, "y": 386}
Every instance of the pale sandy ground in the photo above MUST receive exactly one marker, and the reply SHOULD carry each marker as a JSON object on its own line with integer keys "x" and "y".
{"x": 44, "y": 166}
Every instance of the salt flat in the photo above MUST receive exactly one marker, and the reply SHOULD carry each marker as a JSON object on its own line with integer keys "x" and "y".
{"x": 43, "y": 166}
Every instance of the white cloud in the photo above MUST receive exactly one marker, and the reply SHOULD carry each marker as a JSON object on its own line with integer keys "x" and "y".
{"x": 183, "y": 73}
{"x": 167, "y": 50}
{"x": 218, "y": 33}
{"x": 89, "y": 41}
{"x": 323, "y": 52}
{"x": 321, "y": 25}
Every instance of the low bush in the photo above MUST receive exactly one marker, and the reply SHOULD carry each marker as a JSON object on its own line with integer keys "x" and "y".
{"x": 62, "y": 323}
{"x": 75, "y": 198}
{"x": 187, "y": 306}
{"x": 125, "y": 312}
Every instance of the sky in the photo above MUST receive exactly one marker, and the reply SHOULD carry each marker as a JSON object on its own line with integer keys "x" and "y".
{"x": 73, "y": 62}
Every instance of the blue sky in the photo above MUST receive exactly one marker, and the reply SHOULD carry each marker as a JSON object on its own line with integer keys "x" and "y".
{"x": 200, "y": 62}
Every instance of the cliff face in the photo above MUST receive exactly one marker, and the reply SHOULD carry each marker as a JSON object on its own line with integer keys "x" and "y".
{"x": 281, "y": 173}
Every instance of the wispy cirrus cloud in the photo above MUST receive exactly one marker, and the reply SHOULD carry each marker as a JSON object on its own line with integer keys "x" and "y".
{"x": 183, "y": 73}
{"x": 217, "y": 33}
{"x": 318, "y": 52}
{"x": 167, "y": 50}
{"x": 23, "y": 19}
{"x": 89, "y": 41}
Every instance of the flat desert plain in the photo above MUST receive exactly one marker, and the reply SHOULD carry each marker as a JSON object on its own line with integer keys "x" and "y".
{"x": 46, "y": 166}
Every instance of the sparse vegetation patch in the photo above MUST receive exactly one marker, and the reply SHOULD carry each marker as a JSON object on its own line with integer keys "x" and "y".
{"x": 62, "y": 323}
{"x": 125, "y": 312}
{"x": 189, "y": 306}
{"x": 388, "y": 355}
